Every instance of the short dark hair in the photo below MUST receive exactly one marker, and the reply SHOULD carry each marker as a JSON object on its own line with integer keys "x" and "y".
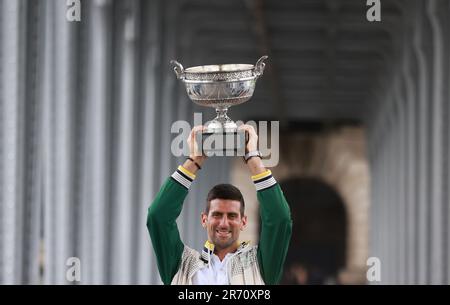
{"x": 227, "y": 192}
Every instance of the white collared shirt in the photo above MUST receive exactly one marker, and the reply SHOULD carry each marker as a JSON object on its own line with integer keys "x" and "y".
{"x": 215, "y": 274}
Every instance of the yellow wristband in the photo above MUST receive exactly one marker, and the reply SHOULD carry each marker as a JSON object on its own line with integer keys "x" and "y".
{"x": 186, "y": 172}
{"x": 262, "y": 175}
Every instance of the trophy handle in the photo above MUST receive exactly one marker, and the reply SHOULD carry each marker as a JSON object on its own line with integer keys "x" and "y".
{"x": 179, "y": 70}
{"x": 260, "y": 65}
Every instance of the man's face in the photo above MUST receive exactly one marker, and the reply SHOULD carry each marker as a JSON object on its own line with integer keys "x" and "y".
{"x": 224, "y": 222}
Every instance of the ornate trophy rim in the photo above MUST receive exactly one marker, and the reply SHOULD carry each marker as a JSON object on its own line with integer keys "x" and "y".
{"x": 219, "y": 72}
{"x": 218, "y": 80}
{"x": 220, "y": 68}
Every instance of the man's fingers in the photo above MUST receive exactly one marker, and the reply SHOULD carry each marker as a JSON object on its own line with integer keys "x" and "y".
{"x": 193, "y": 145}
{"x": 194, "y": 131}
{"x": 249, "y": 129}
{"x": 197, "y": 128}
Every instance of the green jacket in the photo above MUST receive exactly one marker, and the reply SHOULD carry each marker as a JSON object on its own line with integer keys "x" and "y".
{"x": 276, "y": 226}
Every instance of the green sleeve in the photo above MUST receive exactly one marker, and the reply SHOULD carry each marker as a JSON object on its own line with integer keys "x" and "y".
{"x": 162, "y": 226}
{"x": 276, "y": 230}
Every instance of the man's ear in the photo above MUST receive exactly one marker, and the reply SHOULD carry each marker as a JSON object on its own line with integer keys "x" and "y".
{"x": 204, "y": 218}
{"x": 244, "y": 222}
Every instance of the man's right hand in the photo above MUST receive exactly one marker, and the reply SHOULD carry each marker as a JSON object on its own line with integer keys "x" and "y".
{"x": 195, "y": 152}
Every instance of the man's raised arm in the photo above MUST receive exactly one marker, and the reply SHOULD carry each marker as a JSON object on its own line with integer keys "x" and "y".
{"x": 276, "y": 222}
{"x": 162, "y": 215}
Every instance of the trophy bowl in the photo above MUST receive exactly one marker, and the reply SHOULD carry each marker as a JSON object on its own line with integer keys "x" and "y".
{"x": 220, "y": 87}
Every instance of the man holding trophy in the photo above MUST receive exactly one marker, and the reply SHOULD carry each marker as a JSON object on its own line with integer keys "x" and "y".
{"x": 224, "y": 260}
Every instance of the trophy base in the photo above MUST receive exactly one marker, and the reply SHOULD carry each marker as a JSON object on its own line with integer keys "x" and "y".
{"x": 227, "y": 142}
{"x": 221, "y": 126}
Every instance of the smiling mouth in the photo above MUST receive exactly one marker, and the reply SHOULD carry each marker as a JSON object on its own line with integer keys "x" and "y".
{"x": 223, "y": 233}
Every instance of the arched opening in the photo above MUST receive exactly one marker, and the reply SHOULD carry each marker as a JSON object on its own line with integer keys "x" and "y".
{"x": 318, "y": 246}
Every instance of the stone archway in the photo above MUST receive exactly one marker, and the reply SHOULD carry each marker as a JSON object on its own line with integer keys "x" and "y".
{"x": 317, "y": 251}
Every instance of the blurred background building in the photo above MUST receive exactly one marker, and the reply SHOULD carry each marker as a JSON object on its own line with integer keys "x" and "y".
{"x": 86, "y": 110}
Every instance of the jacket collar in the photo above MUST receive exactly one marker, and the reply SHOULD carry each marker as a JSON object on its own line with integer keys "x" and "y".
{"x": 208, "y": 249}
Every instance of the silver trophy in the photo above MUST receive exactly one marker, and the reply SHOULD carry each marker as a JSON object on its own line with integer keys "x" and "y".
{"x": 220, "y": 87}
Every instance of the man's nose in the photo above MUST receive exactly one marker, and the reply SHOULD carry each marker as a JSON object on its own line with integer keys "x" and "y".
{"x": 224, "y": 222}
